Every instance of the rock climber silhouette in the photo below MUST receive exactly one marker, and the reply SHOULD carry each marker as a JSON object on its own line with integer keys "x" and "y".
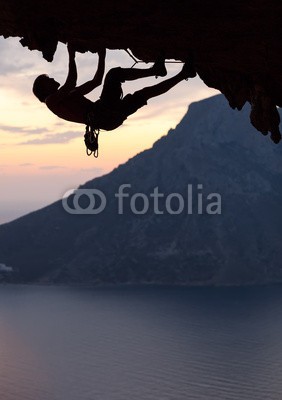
{"x": 109, "y": 112}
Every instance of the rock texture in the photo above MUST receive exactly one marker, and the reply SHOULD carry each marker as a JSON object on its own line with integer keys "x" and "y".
{"x": 236, "y": 45}
{"x": 213, "y": 146}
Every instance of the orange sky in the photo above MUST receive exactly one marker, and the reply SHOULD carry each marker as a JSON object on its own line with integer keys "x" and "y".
{"x": 42, "y": 156}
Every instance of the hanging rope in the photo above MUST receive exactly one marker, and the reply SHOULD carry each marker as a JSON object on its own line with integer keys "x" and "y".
{"x": 91, "y": 141}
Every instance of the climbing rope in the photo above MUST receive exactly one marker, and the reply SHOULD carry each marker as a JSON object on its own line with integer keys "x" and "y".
{"x": 91, "y": 141}
{"x": 136, "y": 61}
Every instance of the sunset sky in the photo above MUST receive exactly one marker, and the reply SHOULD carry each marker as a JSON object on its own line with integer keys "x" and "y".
{"x": 41, "y": 156}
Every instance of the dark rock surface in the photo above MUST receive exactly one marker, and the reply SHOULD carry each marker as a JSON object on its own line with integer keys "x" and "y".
{"x": 236, "y": 45}
{"x": 213, "y": 146}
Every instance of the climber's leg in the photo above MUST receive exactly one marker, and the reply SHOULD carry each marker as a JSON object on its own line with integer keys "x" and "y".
{"x": 131, "y": 74}
{"x": 112, "y": 89}
{"x": 132, "y": 102}
{"x": 162, "y": 87}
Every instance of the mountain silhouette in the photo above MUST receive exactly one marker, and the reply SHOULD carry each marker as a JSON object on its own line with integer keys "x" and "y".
{"x": 213, "y": 150}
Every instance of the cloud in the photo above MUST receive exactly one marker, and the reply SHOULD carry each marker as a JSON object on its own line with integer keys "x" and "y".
{"x": 97, "y": 171}
{"x": 22, "y": 130}
{"x": 20, "y": 66}
{"x": 9, "y": 69}
{"x": 60, "y": 138}
{"x": 50, "y": 167}
{"x": 11, "y": 61}
{"x": 26, "y": 165}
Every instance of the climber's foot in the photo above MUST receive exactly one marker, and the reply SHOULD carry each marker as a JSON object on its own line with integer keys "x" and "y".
{"x": 159, "y": 67}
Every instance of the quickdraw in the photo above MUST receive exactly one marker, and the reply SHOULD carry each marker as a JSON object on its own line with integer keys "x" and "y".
{"x": 91, "y": 141}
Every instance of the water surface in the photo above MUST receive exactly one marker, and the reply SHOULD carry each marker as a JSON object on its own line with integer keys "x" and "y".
{"x": 144, "y": 343}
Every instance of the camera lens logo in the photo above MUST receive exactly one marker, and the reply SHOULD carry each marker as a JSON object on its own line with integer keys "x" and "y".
{"x": 84, "y": 201}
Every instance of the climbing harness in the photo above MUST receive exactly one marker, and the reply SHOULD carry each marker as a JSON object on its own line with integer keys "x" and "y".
{"x": 91, "y": 141}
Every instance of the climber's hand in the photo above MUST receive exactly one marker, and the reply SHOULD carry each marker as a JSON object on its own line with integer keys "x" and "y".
{"x": 102, "y": 53}
{"x": 71, "y": 50}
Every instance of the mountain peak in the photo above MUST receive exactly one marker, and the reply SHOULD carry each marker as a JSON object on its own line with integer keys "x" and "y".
{"x": 217, "y": 159}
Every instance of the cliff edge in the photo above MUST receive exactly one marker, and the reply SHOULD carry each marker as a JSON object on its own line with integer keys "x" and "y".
{"x": 236, "y": 45}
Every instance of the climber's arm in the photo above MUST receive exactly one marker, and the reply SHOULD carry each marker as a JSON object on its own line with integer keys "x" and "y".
{"x": 87, "y": 87}
{"x": 70, "y": 82}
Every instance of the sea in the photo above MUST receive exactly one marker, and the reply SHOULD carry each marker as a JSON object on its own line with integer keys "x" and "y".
{"x": 140, "y": 343}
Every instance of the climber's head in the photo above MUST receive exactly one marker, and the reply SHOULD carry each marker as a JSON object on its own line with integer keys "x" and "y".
{"x": 44, "y": 86}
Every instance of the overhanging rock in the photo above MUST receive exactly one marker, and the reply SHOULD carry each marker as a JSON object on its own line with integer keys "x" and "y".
{"x": 236, "y": 45}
